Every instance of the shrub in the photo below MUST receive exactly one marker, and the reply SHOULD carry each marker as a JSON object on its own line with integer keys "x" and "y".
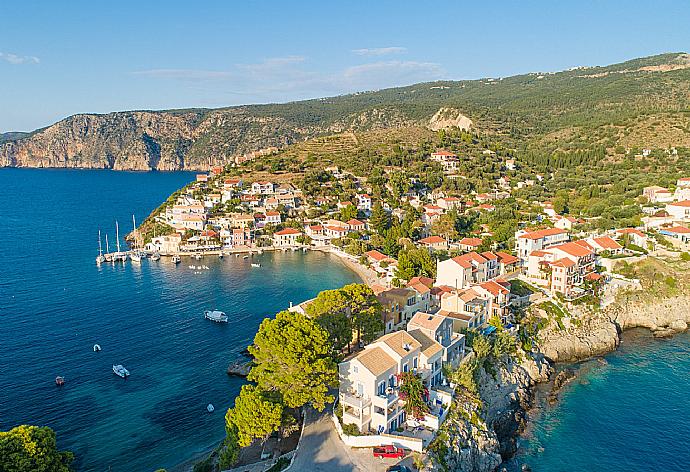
{"x": 351, "y": 430}
{"x": 685, "y": 256}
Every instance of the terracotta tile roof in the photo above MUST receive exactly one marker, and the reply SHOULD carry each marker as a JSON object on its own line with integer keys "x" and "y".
{"x": 419, "y": 287}
{"x": 432, "y": 240}
{"x": 272, "y": 213}
{"x": 428, "y": 281}
{"x": 684, "y": 204}
{"x": 488, "y": 255}
{"x": 429, "y": 347}
{"x": 398, "y": 340}
{"x": 565, "y": 263}
{"x": 455, "y": 315}
{"x": 466, "y": 260}
{"x": 376, "y": 255}
{"x": 574, "y": 248}
{"x": 607, "y": 243}
{"x": 631, "y": 231}
{"x": 505, "y": 258}
{"x": 375, "y": 360}
{"x": 494, "y": 288}
{"x": 354, "y": 222}
{"x": 443, "y": 153}
{"x": 679, "y": 230}
{"x": 285, "y": 231}
{"x": 471, "y": 241}
{"x": 542, "y": 233}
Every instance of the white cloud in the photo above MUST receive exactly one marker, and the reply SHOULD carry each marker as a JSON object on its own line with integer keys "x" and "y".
{"x": 379, "y": 51}
{"x": 15, "y": 59}
{"x": 289, "y": 78}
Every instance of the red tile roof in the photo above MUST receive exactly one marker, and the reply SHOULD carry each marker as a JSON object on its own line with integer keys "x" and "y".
{"x": 505, "y": 258}
{"x": 607, "y": 243}
{"x": 575, "y": 249}
{"x": 684, "y": 204}
{"x": 432, "y": 240}
{"x": 286, "y": 231}
{"x": 471, "y": 241}
{"x": 542, "y": 233}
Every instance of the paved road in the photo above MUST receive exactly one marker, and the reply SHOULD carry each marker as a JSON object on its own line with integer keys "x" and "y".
{"x": 321, "y": 450}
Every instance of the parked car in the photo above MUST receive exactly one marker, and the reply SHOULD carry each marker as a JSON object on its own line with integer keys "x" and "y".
{"x": 389, "y": 451}
{"x": 398, "y": 468}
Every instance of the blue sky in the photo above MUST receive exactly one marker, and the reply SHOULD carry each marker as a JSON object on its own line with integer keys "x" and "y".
{"x": 60, "y": 58}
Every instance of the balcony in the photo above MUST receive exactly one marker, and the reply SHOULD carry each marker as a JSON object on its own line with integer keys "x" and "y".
{"x": 355, "y": 401}
{"x": 386, "y": 399}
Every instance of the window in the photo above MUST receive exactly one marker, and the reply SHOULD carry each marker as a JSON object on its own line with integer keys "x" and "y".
{"x": 405, "y": 367}
{"x": 414, "y": 363}
{"x": 391, "y": 381}
{"x": 355, "y": 369}
{"x": 382, "y": 388}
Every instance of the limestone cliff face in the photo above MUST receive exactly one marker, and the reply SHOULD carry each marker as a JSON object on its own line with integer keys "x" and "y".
{"x": 185, "y": 140}
{"x": 476, "y": 445}
{"x": 600, "y": 333}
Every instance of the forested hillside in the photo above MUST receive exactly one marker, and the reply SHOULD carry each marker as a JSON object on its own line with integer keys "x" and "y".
{"x": 643, "y": 102}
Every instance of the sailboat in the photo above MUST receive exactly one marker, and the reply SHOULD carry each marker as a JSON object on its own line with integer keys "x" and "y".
{"x": 108, "y": 256}
{"x": 101, "y": 258}
{"x": 119, "y": 255}
{"x": 135, "y": 255}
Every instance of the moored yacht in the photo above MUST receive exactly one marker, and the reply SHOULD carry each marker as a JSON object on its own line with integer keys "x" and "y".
{"x": 215, "y": 315}
{"x": 176, "y": 259}
{"x": 155, "y": 256}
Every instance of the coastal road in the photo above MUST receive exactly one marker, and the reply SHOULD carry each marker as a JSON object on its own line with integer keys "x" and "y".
{"x": 321, "y": 450}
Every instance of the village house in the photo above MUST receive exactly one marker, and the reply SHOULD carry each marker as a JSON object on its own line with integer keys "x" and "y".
{"x": 431, "y": 214}
{"x": 370, "y": 381}
{"x": 679, "y": 210}
{"x": 232, "y": 184}
{"x": 202, "y": 177}
{"x": 680, "y": 233}
{"x": 363, "y": 202}
{"x": 561, "y": 268}
{"x": 168, "y": 244}
{"x": 440, "y": 329}
{"x": 467, "y": 269}
{"x": 498, "y": 294}
{"x": 635, "y": 236}
{"x": 273, "y": 218}
{"x": 241, "y": 220}
{"x": 656, "y": 194}
{"x": 356, "y": 225}
{"x": 510, "y": 164}
{"x": 250, "y": 200}
{"x": 332, "y": 231}
{"x": 565, "y": 222}
{"x": 399, "y": 304}
{"x": 448, "y": 161}
{"x": 605, "y": 243}
{"x": 381, "y": 263}
{"x": 449, "y": 203}
{"x": 263, "y": 188}
{"x": 434, "y": 243}
{"x": 286, "y": 237}
{"x": 528, "y": 241}
{"x": 683, "y": 182}
{"x": 469, "y": 244}
{"x": 467, "y": 308}
{"x": 193, "y": 221}
{"x": 507, "y": 263}
{"x": 288, "y": 200}
{"x": 342, "y": 205}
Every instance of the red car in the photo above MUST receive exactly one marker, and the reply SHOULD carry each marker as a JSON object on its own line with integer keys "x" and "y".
{"x": 389, "y": 451}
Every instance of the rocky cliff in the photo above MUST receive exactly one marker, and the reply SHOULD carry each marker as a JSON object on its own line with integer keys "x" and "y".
{"x": 599, "y": 333}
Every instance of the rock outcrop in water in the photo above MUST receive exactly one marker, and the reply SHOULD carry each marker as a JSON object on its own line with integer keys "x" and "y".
{"x": 480, "y": 445}
{"x": 600, "y": 333}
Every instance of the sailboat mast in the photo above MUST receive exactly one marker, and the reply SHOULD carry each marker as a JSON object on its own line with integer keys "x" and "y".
{"x": 117, "y": 236}
{"x": 107, "y": 247}
{"x": 100, "y": 248}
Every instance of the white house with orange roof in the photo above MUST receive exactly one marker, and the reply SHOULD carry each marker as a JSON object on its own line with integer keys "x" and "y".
{"x": 263, "y": 187}
{"x": 356, "y": 225}
{"x": 634, "y": 235}
{"x": 431, "y": 214}
{"x": 529, "y": 241}
{"x": 467, "y": 308}
{"x": 448, "y": 161}
{"x": 363, "y": 202}
{"x": 462, "y": 271}
{"x": 286, "y": 237}
{"x": 657, "y": 194}
{"x": 679, "y": 210}
{"x": 561, "y": 268}
{"x": 468, "y": 244}
{"x": 507, "y": 263}
{"x": 449, "y": 203}
{"x": 605, "y": 243}
{"x": 497, "y": 292}
{"x": 434, "y": 243}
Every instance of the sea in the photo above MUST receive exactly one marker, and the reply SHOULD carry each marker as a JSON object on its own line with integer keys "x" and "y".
{"x": 56, "y": 303}
{"x": 628, "y": 411}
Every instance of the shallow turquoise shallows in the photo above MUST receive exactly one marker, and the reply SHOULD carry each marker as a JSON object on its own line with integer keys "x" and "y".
{"x": 55, "y": 304}
{"x": 627, "y": 413}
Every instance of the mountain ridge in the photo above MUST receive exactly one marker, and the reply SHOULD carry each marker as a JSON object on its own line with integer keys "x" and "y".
{"x": 526, "y": 109}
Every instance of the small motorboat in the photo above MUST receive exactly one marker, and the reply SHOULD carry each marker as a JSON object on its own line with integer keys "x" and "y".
{"x": 254, "y": 264}
{"x": 176, "y": 259}
{"x": 135, "y": 256}
{"x": 237, "y": 255}
{"x": 245, "y": 257}
{"x": 210, "y": 408}
{"x": 198, "y": 257}
{"x": 216, "y": 315}
{"x": 155, "y": 256}
{"x": 120, "y": 371}
{"x": 220, "y": 256}
{"x": 96, "y": 348}
{"x": 192, "y": 267}
{"x": 59, "y": 381}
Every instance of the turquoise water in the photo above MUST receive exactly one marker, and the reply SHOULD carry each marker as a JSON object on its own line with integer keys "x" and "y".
{"x": 55, "y": 304}
{"x": 628, "y": 413}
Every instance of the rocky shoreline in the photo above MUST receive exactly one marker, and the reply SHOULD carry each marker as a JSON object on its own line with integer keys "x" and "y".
{"x": 509, "y": 392}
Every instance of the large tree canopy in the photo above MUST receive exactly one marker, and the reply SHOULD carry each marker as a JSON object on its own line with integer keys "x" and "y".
{"x": 292, "y": 356}
{"x": 32, "y": 448}
{"x": 255, "y": 415}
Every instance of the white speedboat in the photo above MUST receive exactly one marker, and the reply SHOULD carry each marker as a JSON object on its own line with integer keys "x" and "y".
{"x": 135, "y": 256}
{"x": 254, "y": 264}
{"x": 120, "y": 371}
{"x": 96, "y": 348}
{"x": 215, "y": 315}
{"x": 210, "y": 408}
{"x": 155, "y": 256}
{"x": 245, "y": 257}
{"x": 176, "y": 259}
{"x": 198, "y": 257}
